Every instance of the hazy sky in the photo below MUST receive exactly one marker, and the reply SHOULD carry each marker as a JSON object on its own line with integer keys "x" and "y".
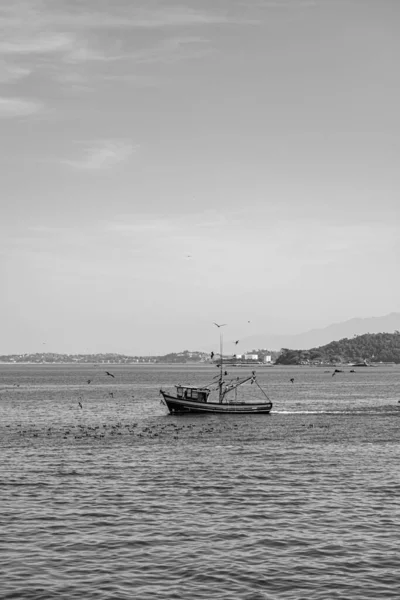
{"x": 169, "y": 164}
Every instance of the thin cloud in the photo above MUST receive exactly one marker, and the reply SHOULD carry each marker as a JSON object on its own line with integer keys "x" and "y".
{"x": 10, "y": 73}
{"x": 59, "y": 15}
{"x": 157, "y": 245}
{"x": 18, "y": 107}
{"x": 102, "y": 154}
{"x": 84, "y": 53}
{"x": 58, "y": 36}
{"x": 169, "y": 50}
{"x": 281, "y": 3}
{"x": 208, "y": 233}
{"x": 37, "y": 44}
{"x": 209, "y": 219}
{"x": 142, "y": 224}
{"x": 172, "y": 50}
{"x": 126, "y": 15}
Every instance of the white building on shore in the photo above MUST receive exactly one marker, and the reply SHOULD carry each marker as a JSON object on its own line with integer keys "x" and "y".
{"x": 251, "y": 356}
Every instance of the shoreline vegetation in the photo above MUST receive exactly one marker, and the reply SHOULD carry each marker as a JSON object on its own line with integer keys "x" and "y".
{"x": 363, "y": 350}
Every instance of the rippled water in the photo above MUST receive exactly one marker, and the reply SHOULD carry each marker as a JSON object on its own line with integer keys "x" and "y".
{"x": 117, "y": 499}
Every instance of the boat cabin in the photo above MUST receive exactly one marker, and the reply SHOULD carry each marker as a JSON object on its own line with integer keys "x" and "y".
{"x": 188, "y": 392}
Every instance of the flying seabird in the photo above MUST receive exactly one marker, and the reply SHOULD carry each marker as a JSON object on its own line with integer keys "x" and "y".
{"x": 222, "y": 325}
{"x": 110, "y": 374}
{"x": 237, "y": 341}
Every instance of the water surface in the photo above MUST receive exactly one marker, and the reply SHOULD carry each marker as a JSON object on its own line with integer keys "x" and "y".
{"x": 113, "y": 498}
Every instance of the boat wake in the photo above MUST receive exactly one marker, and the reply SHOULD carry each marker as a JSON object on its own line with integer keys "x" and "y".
{"x": 389, "y": 410}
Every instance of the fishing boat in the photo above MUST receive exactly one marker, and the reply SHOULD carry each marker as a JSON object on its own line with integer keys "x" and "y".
{"x": 232, "y": 395}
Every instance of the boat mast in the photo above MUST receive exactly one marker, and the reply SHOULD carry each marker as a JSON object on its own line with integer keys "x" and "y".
{"x": 220, "y": 368}
{"x": 220, "y": 382}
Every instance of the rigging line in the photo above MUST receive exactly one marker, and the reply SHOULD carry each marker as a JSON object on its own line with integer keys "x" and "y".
{"x": 212, "y": 381}
{"x": 237, "y": 382}
{"x": 257, "y": 384}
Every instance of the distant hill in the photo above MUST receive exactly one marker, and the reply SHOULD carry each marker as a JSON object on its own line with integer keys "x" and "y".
{"x": 319, "y": 337}
{"x": 52, "y": 357}
{"x": 370, "y": 347}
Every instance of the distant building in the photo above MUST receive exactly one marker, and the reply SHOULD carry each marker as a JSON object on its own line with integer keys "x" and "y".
{"x": 267, "y": 358}
{"x": 251, "y": 356}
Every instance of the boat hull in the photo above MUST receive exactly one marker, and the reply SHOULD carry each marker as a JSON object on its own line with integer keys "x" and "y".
{"x": 179, "y": 406}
